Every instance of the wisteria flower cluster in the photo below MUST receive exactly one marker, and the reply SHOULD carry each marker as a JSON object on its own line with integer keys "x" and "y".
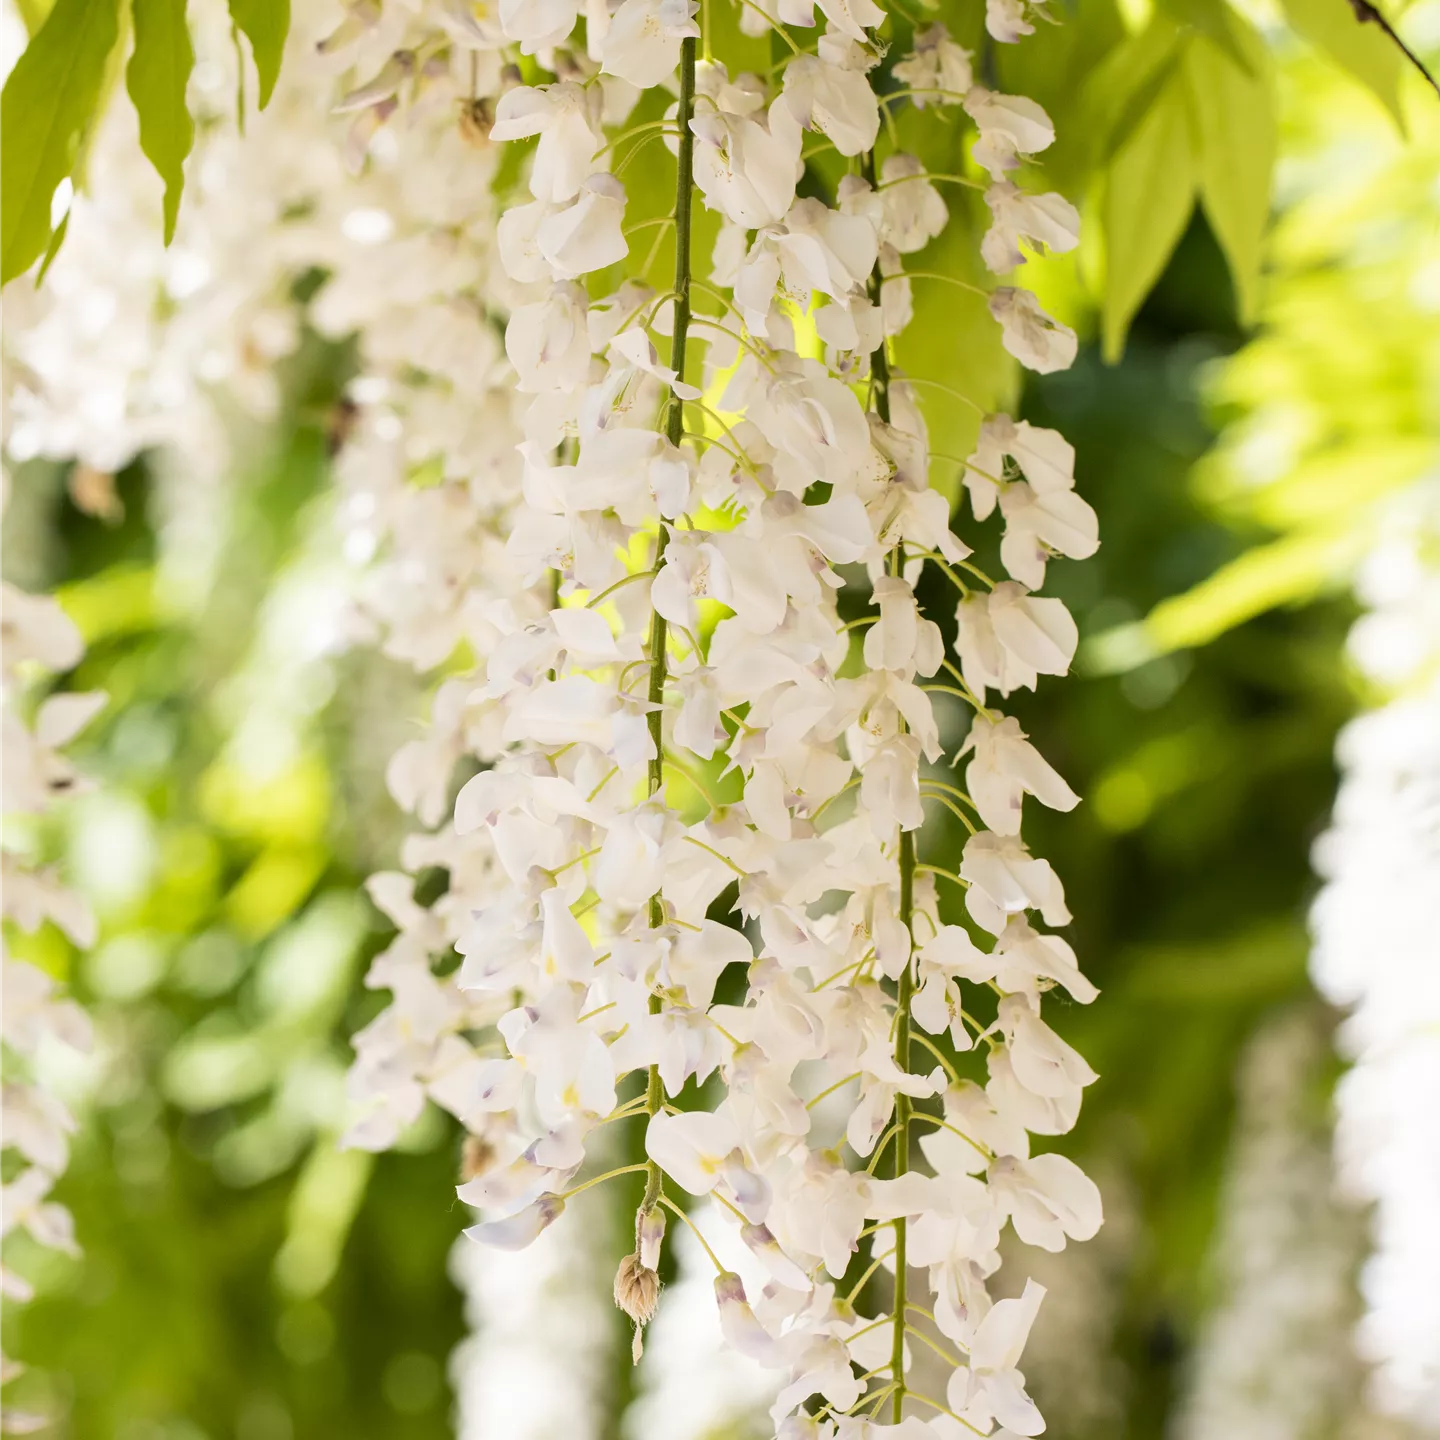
{"x": 36, "y": 636}
{"x": 696, "y": 771}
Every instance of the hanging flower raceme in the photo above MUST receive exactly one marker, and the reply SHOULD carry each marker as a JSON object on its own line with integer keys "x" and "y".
{"x": 35, "y": 1016}
{"x": 705, "y": 820}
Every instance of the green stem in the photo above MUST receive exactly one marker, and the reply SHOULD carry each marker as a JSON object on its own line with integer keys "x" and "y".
{"x": 675, "y": 430}
{"x": 879, "y": 360}
{"x": 903, "y": 993}
{"x": 904, "y": 990}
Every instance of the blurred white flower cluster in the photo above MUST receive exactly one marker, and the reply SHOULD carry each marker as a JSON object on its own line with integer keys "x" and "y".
{"x": 536, "y": 1365}
{"x": 37, "y": 639}
{"x": 1376, "y": 927}
{"x": 1273, "y": 1360}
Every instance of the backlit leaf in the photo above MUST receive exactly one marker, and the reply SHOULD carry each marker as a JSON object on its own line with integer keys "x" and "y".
{"x": 1289, "y": 571}
{"x": 1121, "y": 90}
{"x": 1148, "y": 193}
{"x": 265, "y": 23}
{"x": 1237, "y": 134}
{"x": 156, "y": 78}
{"x": 49, "y": 101}
{"x": 1362, "y": 50}
{"x": 1214, "y": 20}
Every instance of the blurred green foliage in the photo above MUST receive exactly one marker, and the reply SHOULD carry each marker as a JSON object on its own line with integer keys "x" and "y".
{"x": 241, "y": 1278}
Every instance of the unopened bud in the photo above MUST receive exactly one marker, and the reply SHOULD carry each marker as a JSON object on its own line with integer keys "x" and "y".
{"x": 649, "y": 1235}
{"x": 637, "y": 1289}
{"x": 93, "y": 493}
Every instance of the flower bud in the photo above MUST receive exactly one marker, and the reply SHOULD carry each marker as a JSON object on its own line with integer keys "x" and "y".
{"x": 649, "y": 1234}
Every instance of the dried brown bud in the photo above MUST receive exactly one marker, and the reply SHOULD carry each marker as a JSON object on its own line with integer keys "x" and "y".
{"x": 637, "y": 1290}
{"x": 93, "y": 493}
{"x": 475, "y": 1157}
{"x": 477, "y": 118}
{"x": 339, "y": 424}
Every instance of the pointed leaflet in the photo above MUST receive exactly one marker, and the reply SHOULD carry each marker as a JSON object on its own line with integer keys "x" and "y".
{"x": 1210, "y": 18}
{"x": 49, "y": 102}
{"x": 33, "y": 13}
{"x": 1121, "y": 89}
{"x": 156, "y": 77}
{"x": 1236, "y": 137}
{"x": 1368, "y": 54}
{"x": 265, "y": 23}
{"x": 1148, "y": 193}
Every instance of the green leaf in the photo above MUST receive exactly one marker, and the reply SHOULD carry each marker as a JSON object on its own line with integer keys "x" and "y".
{"x": 1121, "y": 90}
{"x": 1211, "y": 18}
{"x": 1237, "y": 135}
{"x": 1289, "y": 571}
{"x": 1149, "y": 188}
{"x": 49, "y": 101}
{"x": 156, "y": 78}
{"x": 265, "y": 23}
{"x": 33, "y": 13}
{"x": 1363, "y": 50}
{"x": 52, "y": 249}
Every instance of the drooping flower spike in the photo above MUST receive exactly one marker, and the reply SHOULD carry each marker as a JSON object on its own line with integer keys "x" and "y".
{"x": 688, "y": 645}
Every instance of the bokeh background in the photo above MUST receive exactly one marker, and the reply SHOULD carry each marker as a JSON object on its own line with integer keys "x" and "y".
{"x": 241, "y": 1276}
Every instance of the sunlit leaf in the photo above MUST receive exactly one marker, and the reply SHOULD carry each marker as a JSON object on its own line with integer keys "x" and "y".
{"x": 1285, "y": 572}
{"x": 1236, "y": 134}
{"x": 1362, "y": 50}
{"x": 49, "y": 102}
{"x": 1214, "y": 20}
{"x": 265, "y": 23}
{"x": 273, "y": 888}
{"x": 156, "y": 77}
{"x": 1148, "y": 193}
{"x": 57, "y": 239}
{"x": 1120, "y": 92}
{"x": 1343, "y": 480}
{"x": 118, "y": 601}
{"x": 33, "y": 13}
{"x": 322, "y": 1209}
